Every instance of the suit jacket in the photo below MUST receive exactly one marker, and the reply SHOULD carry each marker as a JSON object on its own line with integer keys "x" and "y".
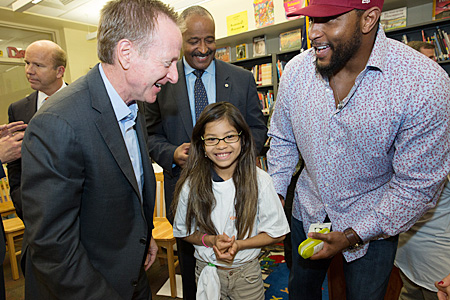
{"x": 87, "y": 228}
{"x": 22, "y": 110}
{"x": 169, "y": 119}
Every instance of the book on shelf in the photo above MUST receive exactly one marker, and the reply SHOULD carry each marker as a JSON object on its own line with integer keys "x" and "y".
{"x": 241, "y": 51}
{"x": 259, "y": 46}
{"x": 262, "y": 74}
{"x": 441, "y": 9}
{"x": 266, "y": 100}
{"x": 439, "y": 38}
{"x": 280, "y": 67}
{"x": 290, "y": 40}
{"x": 392, "y": 19}
{"x": 224, "y": 54}
{"x": 261, "y": 161}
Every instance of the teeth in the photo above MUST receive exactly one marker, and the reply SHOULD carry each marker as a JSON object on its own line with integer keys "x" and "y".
{"x": 158, "y": 85}
{"x": 321, "y": 47}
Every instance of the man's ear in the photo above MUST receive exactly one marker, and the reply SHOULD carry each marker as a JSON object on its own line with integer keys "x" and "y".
{"x": 369, "y": 19}
{"x": 124, "y": 51}
{"x": 60, "y": 71}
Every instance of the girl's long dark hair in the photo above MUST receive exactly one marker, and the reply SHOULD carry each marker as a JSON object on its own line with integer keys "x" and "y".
{"x": 197, "y": 174}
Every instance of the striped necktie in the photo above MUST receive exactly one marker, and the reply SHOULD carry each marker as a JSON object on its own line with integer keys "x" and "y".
{"x": 200, "y": 97}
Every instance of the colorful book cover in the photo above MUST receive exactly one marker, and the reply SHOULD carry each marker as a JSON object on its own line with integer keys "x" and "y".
{"x": 241, "y": 51}
{"x": 290, "y": 40}
{"x": 259, "y": 46}
{"x": 263, "y": 13}
{"x": 291, "y": 6}
{"x": 392, "y": 19}
{"x": 441, "y": 9}
{"x": 223, "y": 54}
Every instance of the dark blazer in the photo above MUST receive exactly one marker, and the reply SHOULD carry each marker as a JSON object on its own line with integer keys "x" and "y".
{"x": 87, "y": 229}
{"x": 22, "y": 110}
{"x": 169, "y": 121}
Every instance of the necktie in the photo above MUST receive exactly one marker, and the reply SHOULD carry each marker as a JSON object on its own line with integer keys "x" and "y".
{"x": 200, "y": 97}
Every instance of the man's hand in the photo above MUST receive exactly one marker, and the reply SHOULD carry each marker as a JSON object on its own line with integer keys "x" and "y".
{"x": 11, "y": 141}
{"x": 181, "y": 154}
{"x": 444, "y": 288}
{"x": 151, "y": 255}
{"x": 334, "y": 242}
{"x": 11, "y": 128}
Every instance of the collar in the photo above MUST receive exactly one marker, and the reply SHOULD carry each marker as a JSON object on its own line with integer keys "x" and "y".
{"x": 41, "y": 95}
{"x": 215, "y": 176}
{"x": 121, "y": 110}
{"x": 211, "y": 69}
{"x": 378, "y": 57}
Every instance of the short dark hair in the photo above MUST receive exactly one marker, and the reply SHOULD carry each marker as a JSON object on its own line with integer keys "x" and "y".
{"x": 135, "y": 20}
{"x": 195, "y": 10}
{"x": 417, "y": 45}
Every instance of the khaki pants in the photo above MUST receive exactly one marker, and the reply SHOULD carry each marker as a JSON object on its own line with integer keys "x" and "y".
{"x": 244, "y": 282}
{"x": 412, "y": 291}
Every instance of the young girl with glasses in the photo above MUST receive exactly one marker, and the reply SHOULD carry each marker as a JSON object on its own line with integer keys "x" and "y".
{"x": 226, "y": 206}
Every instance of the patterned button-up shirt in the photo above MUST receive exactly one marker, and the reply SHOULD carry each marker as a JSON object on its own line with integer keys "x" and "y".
{"x": 377, "y": 163}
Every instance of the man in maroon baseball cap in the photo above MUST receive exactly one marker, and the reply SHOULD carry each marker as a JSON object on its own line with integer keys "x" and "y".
{"x": 362, "y": 112}
{"x": 328, "y": 8}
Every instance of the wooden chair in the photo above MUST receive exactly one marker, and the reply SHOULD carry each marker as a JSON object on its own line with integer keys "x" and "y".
{"x": 6, "y": 205}
{"x": 163, "y": 235}
{"x": 14, "y": 229}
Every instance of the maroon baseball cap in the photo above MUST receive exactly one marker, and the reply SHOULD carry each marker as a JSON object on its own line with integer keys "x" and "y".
{"x": 328, "y": 8}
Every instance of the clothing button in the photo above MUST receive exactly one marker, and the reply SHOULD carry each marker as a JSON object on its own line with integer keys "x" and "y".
{"x": 134, "y": 283}
{"x": 326, "y": 184}
{"x": 340, "y": 105}
{"x": 326, "y": 205}
{"x": 331, "y": 140}
{"x": 328, "y": 163}
{"x": 143, "y": 241}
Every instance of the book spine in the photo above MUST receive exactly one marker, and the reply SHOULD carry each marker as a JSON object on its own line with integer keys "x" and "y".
{"x": 443, "y": 43}
{"x": 440, "y": 56}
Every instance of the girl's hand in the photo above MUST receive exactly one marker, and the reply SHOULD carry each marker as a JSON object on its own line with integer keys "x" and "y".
{"x": 227, "y": 256}
{"x": 444, "y": 288}
{"x": 223, "y": 242}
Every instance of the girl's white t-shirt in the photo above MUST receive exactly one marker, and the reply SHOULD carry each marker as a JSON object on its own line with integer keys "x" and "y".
{"x": 270, "y": 218}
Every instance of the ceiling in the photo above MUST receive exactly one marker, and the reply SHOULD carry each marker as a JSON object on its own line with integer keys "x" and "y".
{"x": 83, "y": 11}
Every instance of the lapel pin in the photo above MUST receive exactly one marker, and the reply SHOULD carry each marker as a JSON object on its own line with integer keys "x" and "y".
{"x": 226, "y": 85}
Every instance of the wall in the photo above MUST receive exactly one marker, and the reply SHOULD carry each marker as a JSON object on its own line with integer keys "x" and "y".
{"x": 82, "y": 54}
{"x": 71, "y": 36}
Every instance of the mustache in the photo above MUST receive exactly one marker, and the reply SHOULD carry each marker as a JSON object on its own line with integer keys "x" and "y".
{"x": 198, "y": 53}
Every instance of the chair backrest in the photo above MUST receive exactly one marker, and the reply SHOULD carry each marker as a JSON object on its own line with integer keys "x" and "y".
{"x": 4, "y": 190}
{"x": 6, "y": 205}
{"x": 160, "y": 206}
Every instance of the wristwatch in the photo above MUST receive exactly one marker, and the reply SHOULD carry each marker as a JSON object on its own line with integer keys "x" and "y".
{"x": 353, "y": 238}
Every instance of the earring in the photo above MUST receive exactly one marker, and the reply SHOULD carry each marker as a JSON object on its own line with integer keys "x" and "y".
{"x": 205, "y": 154}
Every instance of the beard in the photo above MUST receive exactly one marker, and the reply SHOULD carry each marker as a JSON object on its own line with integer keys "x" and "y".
{"x": 342, "y": 52}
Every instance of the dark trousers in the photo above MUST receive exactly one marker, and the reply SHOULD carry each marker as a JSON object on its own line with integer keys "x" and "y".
{"x": 366, "y": 277}
{"x": 288, "y": 212}
{"x": 185, "y": 252}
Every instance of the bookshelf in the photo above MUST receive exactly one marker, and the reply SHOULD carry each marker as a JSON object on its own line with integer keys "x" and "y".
{"x": 414, "y": 33}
